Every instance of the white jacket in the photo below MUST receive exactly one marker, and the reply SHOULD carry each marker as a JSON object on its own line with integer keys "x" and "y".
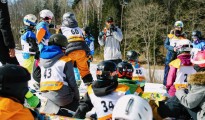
{"x": 111, "y": 44}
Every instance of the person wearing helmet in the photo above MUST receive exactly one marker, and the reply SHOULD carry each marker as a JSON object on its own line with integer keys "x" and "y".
{"x": 198, "y": 43}
{"x": 13, "y": 90}
{"x": 125, "y": 71}
{"x": 29, "y": 42}
{"x": 57, "y": 82}
{"x": 43, "y": 33}
{"x": 138, "y": 74}
{"x": 171, "y": 44}
{"x": 189, "y": 99}
{"x": 110, "y": 38}
{"x": 77, "y": 49}
{"x": 132, "y": 107}
{"x": 180, "y": 68}
{"x": 89, "y": 39}
{"x": 103, "y": 93}
{"x": 196, "y": 89}
{"x": 7, "y": 43}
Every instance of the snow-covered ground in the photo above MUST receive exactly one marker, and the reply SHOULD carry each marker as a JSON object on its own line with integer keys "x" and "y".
{"x": 158, "y": 73}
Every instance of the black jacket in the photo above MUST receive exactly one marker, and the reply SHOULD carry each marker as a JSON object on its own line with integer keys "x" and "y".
{"x": 6, "y": 37}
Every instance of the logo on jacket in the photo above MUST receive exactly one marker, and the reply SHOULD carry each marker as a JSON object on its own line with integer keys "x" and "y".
{"x": 4, "y": 1}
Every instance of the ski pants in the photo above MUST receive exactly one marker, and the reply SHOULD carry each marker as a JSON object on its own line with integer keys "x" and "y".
{"x": 28, "y": 63}
{"x": 80, "y": 58}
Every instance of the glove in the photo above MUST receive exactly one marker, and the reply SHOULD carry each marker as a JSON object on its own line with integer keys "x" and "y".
{"x": 32, "y": 100}
{"x": 37, "y": 55}
{"x": 101, "y": 34}
{"x": 90, "y": 58}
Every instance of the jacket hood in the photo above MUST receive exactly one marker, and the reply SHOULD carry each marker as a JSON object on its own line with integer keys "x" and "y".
{"x": 197, "y": 78}
{"x": 49, "y": 62}
{"x": 48, "y": 52}
{"x": 104, "y": 87}
{"x": 49, "y": 55}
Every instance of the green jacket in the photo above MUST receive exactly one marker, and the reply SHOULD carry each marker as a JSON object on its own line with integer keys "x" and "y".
{"x": 134, "y": 88}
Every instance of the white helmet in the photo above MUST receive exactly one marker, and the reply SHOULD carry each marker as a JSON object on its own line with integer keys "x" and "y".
{"x": 179, "y": 24}
{"x": 132, "y": 107}
{"x": 30, "y": 20}
{"x": 46, "y": 13}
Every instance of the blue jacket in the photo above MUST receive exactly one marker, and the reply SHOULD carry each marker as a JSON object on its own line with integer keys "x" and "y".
{"x": 44, "y": 25}
{"x": 170, "y": 51}
{"x": 90, "y": 42}
{"x": 199, "y": 44}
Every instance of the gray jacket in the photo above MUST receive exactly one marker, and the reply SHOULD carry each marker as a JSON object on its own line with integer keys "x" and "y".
{"x": 196, "y": 95}
{"x": 111, "y": 44}
{"x": 66, "y": 94}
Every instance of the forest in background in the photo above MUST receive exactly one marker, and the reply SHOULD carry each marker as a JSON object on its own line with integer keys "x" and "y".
{"x": 144, "y": 23}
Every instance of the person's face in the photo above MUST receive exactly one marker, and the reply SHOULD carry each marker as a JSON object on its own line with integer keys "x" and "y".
{"x": 108, "y": 24}
{"x": 178, "y": 28}
{"x": 49, "y": 21}
{"x": 194, "y": 38}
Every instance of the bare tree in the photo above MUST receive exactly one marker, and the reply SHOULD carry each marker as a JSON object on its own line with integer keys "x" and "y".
{"x": 144, "y": 23}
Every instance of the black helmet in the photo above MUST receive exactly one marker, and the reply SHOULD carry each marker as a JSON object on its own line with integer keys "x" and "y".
{"x": 106, "y": 70}
{"x": 196, "y": 34}
{"x": 58, "y": 40}
{"x": 132, "y": 55}
{"x": 14, "y": 81}
{"x": 124, "y": 70}
{"x": 109, "y": 19}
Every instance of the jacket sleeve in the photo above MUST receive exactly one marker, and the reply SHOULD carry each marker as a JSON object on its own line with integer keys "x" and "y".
{"x": 40, "y": 34}
{"x": 101, "y": 41}
{"x": 33, "y": 44}
{"x": 70, "y": 78}
{"x": 193, "y": 98}
{"x": 167, "y": 45}
{"x": 84, "y": 107}
{"x": 171, "y": 76}
{"x": 5, "y": 26}
{"x": 118, "y": 34}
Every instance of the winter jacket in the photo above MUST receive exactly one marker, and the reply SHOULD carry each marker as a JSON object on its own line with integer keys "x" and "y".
{"x": 6, "y": 37}
{"x": 138, "y": 74}
{"x": 57, "y": 77}
{"x": 90, "y": 42}
{"x": 43, "y": 33}
{"x": 29, "y": 42}
{"x": 75, "y": 40}
{"x": 169, "y": 44}
{"x": 12, "y": 110}
{"x": 102, "y": 95}
{"x": 180, "y": 68}
{"x": 198, "y": 45}
{"x": 134, "y": 89}
{"x": 195, "y": 96}
{"x": 111, "y": 42}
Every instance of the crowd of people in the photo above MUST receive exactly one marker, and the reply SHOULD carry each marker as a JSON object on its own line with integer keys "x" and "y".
{"x": 53, "y": 61}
